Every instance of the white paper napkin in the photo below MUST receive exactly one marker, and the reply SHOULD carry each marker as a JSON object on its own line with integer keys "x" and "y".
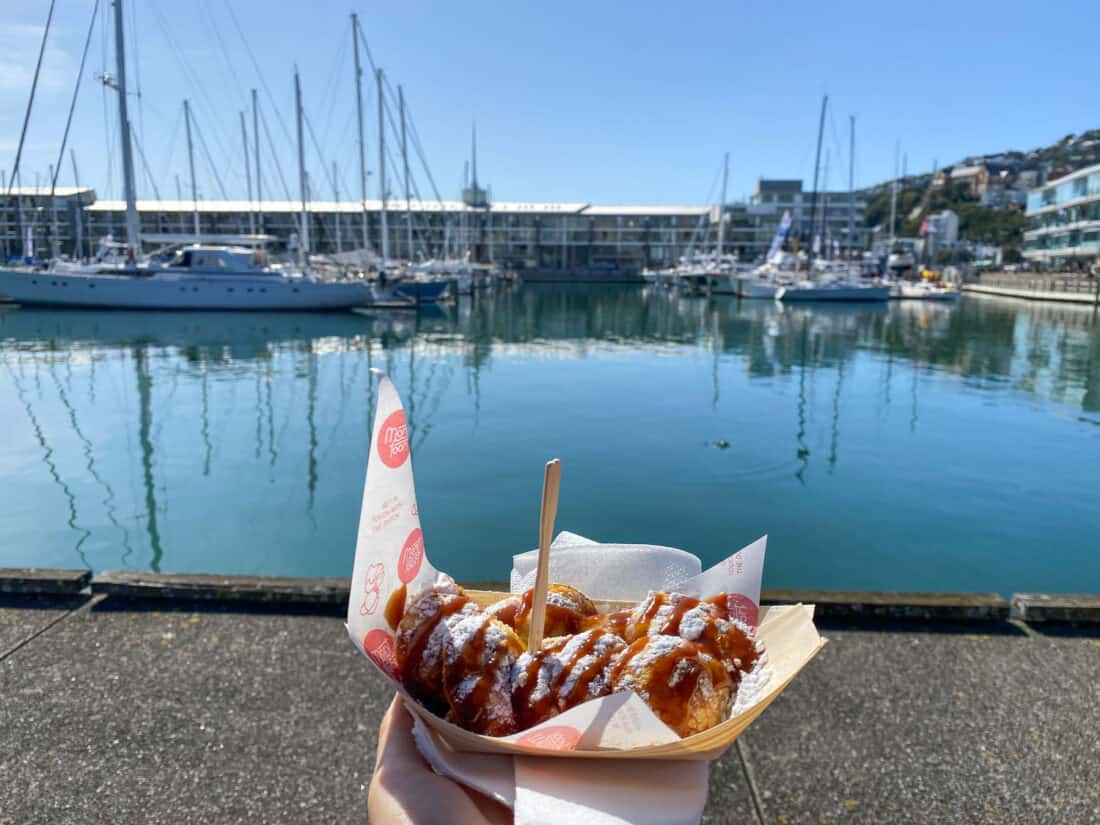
{"x": 609, "y": 792}
{"x": 541, "y": 791}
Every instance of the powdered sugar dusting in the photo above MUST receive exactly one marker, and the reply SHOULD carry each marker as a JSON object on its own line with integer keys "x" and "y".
{"x": 751, "y": 685}
{"x": 432, "y": 657}
{"x": 694, "y": 623}
{"x": 597, "y": 659}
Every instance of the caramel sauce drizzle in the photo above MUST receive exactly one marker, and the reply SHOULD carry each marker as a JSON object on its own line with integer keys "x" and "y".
{"x": 409, "y": 656}
{"x": 671, "y": 702}
{"x": 395, "y": 607}
{"x": 470, "y": 711}
{"x": 729, "y": 645}
{"x": 615, "y": 623}
{"x": 553, "y": 701}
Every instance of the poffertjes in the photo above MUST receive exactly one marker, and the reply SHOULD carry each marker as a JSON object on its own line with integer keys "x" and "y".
{"x": 683, "y": 656}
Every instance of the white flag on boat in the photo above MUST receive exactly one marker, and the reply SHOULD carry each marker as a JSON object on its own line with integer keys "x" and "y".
{"x": 780, "y": 235}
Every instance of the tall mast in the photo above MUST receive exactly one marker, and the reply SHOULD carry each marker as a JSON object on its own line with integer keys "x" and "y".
{"x": 303, "y": 236}
{"x": 405, "y": 163}
{"x": 894, "y": 197}
{"x": 722, "y": 207}
{"x": 248, "y": 178}
{"x": 465, "y": 229}
{"x": 336, "y": 197}
{"x": 473, "y": 156}
{"x": 179, "y": 197}
{"x": 78, "y": 222}
{"x": 851, "y": 183}
{"x": 382, "y": 165}
{"x": 817, "y": 166}
{"x": 359, "y": 120}
{"x": 55, "y": 244}
{"x": 4, "y": 186}
{"x": 825, "y": 207}
{"x": 191, "y": 166}
{"x": 256, "y": 152}
{"x": 133, "y": 228}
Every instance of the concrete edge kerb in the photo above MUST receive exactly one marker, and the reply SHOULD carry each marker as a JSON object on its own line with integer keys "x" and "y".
{"x": 122, "y": 586}
{"x": 33, "y": 581}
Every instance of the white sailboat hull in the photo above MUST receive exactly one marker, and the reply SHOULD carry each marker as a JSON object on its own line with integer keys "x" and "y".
{"x": 832, "y": 292}
{"x": 263, "y": 292}
{"x": 926, "y": 292}
{"x": 749, "y": 287}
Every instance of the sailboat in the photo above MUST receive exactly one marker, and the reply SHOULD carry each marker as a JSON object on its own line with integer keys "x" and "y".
{"x": 724, "y": 269}
{"x": 834, "y": 284}
{"x": 199, "y": 276}
{"x": 778, "y": 268}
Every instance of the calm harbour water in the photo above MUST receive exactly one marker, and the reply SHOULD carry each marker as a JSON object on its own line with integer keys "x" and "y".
{"x": 902, "y": 447}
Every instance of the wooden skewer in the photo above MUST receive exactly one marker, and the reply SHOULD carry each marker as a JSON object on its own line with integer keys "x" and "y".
{"x": 551, "y": 483}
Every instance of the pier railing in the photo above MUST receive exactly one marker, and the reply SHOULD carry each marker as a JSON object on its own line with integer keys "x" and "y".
{"x": 1055, "y": 282}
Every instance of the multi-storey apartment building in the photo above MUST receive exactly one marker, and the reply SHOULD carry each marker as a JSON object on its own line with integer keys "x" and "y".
{"x": 1063, "y": 219}
{"x": 522, "y": 236}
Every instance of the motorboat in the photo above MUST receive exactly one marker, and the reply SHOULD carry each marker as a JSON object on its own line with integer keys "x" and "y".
{"x": 926, "y": 290}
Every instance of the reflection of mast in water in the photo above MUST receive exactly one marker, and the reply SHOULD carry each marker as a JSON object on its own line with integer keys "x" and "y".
{"x": 889, "y": 379}
{"x": 109, "y": 500}
{"x": 424, "y": 422}
{"x": 475, "y": 378}
{"x": 270, "y": 414}
{"x": 803, "y": 451}
{"x": 259, "y": 419}
{"x": 714, "y": 347}
{"x": 836, "y": 413}
{"x": 205, "y": 422}
{"x": 369, "y": 411}
{"x": 913, "y": 414}
{"x": 311, "y": 423}
{"x": 145, "y": 419}
{"x": 47, "y": 458}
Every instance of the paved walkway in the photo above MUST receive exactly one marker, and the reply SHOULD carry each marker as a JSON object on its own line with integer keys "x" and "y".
{"x": 202, "y": 715}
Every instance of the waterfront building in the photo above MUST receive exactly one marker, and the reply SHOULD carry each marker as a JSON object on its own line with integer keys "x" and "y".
{"x": 773, "y": 197}
{"x": 1003, "y": 197}
{"x": 532, "y": 236}
{"x": 1063, "y": 219}
{"x": 941, "y": 233}
{"x": 31, "y": 214}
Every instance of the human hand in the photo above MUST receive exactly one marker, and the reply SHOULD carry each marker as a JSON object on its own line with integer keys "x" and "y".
{"x": 405, "y": 790}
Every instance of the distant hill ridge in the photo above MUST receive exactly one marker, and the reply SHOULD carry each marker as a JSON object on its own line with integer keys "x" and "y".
{"x": 1049, "y": 163}
{"x": 922, "y": 195}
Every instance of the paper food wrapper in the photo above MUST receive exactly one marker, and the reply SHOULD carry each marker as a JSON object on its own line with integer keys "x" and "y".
{"x": 390, "y": 559}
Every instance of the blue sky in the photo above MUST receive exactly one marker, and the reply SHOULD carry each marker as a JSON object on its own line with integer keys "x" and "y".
{"x": 605, "y": 102}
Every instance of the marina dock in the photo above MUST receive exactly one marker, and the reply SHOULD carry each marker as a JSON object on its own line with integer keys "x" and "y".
{"x": 181, "y": 698}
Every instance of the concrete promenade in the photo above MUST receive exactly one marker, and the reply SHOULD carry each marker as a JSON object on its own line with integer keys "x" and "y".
{"x": 185, "y": 710}
{"x": 1064, "y": 287}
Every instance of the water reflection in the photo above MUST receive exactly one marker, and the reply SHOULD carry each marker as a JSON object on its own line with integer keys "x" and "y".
{"x": 276, "y": 408}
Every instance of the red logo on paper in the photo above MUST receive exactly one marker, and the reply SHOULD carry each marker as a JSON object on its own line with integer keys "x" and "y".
{"x": 412, "y": 554}
{"x": 553, "y": 738}
{"x": 743, "y": 609}
{"x": 393, "y": 440}
{"x": 372, "y": 586}
{"x": 378, "y": 644}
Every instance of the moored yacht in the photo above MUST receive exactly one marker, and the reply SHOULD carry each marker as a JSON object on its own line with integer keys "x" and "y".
{"x": 832, "y": 290}
{"x": 926, "y": 291}
{"x": 198, "y": 277}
